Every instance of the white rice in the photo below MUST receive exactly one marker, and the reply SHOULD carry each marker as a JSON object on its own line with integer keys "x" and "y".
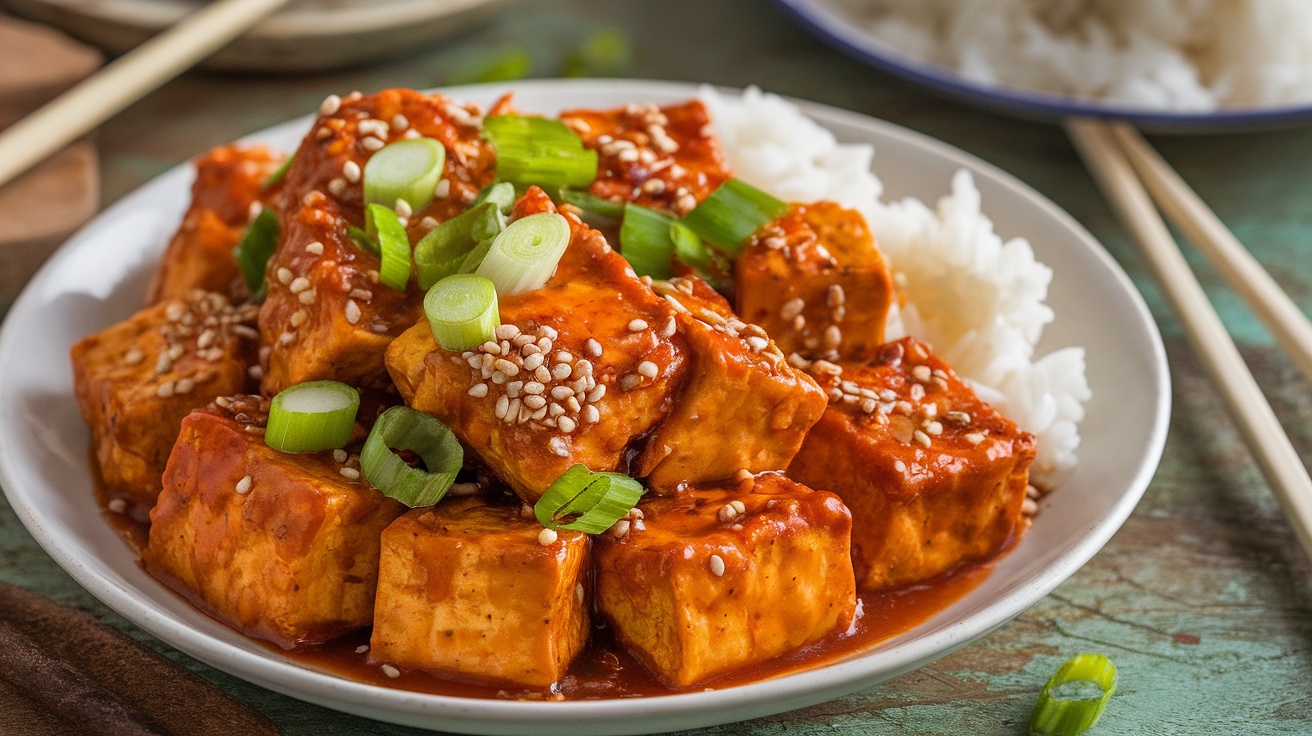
{"x": 1183, "y": 55}
{"x": 979, "y": 301}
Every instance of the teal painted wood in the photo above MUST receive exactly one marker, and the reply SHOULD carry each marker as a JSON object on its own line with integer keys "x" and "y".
{"x": 1202, "y": 599}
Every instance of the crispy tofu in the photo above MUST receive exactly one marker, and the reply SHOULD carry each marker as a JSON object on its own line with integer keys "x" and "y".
{"x": 229, "y": 181}
{"x": 283, "y": 547}
{"x": 660, "y": 157}
{"x": 136, "y": 380}
{"x": 468, "y": 590}
{"x": 934, "y": 476}
{"x": 583, "y": 366}
{"x": 327, "y": 316}
{"x": 816, "y": 282}
{"x": 718, "y": 578}
{"x": 742, "y": 407}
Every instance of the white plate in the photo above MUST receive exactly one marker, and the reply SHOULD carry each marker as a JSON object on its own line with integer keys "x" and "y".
{"x": 307, "y": 35}
{"x": 100, "y": 275}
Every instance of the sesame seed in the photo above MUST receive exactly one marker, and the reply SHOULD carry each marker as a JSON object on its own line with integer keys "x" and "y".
{"x": 323, "y": 133}
{"x": 506, "y": 367}
{"x": 512, "y": 411}
{"x": 400, "y": 122}
{"x": 547, "y": 537}
{"x": 957, "y": 417}
{"x": 330, "y": 105}
{"x": 798, "y": 362}
{"x": 507, "y": 332}
{"x": 917, "y": 392}
{"x": 497, "y": 377}
{"x": 562, "y": 392}
{"x": 572, "y": 403}
{"x": 391, "y": 671}
{"x": 443, "y": 189}
{"x": 555, "y": 410}
{"x": 561, "y": 371}
{"x": 164, "y": 390}
{"x": 512, "y": 388}
{"x": 491, "y": 347}
{"x": 255, "y": 372}
{"x": 637, "y": 325}
{"x": 757, "y": 343}
{"x": 478, "y": 390}
{"x": 117, "y": 505}
{"x": 339, "y": 455}
{"x": 244, "y": 484}
{"x": 503, "y": 406}
{"x": 933, "y": 429}
{"x": 535, "y": 402}
{"x": 869, "y": 405}
{"x": 544, "y": 344}
{"x": 530, "y": 349}
{"x": 1029, "y": 507}
{"x": 315, "y": 248}
{"x": 559, "y": 446}
{"x": 828, "y": 368}
{"x": 534, "y": 388}
{"x": 175, "y": 352}
{"x": 921, "y": 373}
{"x": 648, "y": 369}
{"x": 717, "y": 566}
{"x": 351, "y": 171}
{"x": 352, "y": 311}
{"x": 403, "y": 209}
{"x": 833, "y": 336}
{"x": 548, "y": 332}
{"x": 566, "y": 424}
{"x": 590, "y": 414}
{"x": 921, "y": 438}
{"x": 975, "y": 438}
{"x": 671, "y": 326}
{"x": 620, "y": 529}
{"x": 726, "y": 512}
{"x": 299, "y": 284}
{"x": 597, "y": 392}
{"x": 542, "y": 374}
{"x": 629, "y": 382}
{"x": 835, "y": 297}
{"x": 337, "y": 186}
{"x": 678, "y": 305}
{"x": 371, "y": 144}
{"x": 532, "y": 362}
{"x": 799, "y": 322}
{"x": 349, "y": 473}
{"x": 133, "y": 356}
{"x": 792, "y": 308}
{"x": 184, "y": 386}
{"x": 285, "y": 275}
{"x": 593, "y": 348}
{"x": 930, "y": 409}
{"x": 582, "y": 368}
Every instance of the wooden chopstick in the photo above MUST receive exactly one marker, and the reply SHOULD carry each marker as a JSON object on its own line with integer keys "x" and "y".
{"x": 1279, "y": 462}
{"x": 1186, "y": 210}
{"x": 125, "y": 81}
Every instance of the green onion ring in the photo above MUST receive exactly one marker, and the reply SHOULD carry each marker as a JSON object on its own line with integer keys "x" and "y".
{"x": 462, "y": 311}
{"x": 599, "y": 500}
{"x": 1074, "y": 697}
{"x": 256, "y": 248}
{"x": 524, "y": 256}
{"x": 732, "y": 213}
{"x": 407, "y": 169}
{"x": 313, "y": 416}
{"x": 394, "y": 245}
{"x": 442, "y": 251}
{"x": 403, "y": 428}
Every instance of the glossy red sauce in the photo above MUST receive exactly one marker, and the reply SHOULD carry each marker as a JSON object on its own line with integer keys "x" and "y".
{"x": 604, "y": 670}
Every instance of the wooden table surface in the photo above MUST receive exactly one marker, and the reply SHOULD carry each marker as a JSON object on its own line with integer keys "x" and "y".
{"x": 1202, "y": 599}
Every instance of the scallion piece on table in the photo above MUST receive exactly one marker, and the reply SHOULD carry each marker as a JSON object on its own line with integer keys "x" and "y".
{"x": 733, "y": 213}
{"x": 525, "y": 254}
{"x": 1074, "y": 697}
{"x": 442, "y": 251}
{"x": 462, "y": 311}
{"x": 407, "y": 169}
{"x": 646, "y": 241}
{"x": 394, "y": 245}
{"x": 278, "y": 173}
{"x": 598, "y": 500}
{"x": 313, "y": 416}
{"x": 403, "y": 428}
{"x": 591, "y": 204}
{"x": 501, "y": 192}
{"x": 256, "y": 248}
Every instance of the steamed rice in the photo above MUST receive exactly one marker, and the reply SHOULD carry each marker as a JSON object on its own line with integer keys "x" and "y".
{"x": 979, "y": 301}
{"x": 1183, "y": 55}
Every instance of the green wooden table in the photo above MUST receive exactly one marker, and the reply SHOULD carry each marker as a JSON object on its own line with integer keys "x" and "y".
{"x": 1202, "y": 599}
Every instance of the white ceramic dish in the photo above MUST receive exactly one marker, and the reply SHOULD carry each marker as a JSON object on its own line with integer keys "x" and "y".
{"x": 100, "y": 275}
{"x": 305, "y": 36}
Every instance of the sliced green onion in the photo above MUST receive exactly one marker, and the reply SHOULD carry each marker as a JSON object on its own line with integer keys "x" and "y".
{"x": 501, "y": 192}
{"x": 256, "y": 248}
{"x": 525, "y": 254}
{"x": 531, "y": 130}
{"x": 403, "y": 428}
{"x": 646, "y": 241}
{"x": 591, "y": 203}
{"x": 462, "y": 311}
{"x": 1074, "y": 697}
{"x": 605, "y": 53}
{"x": 597, "y": 499}
{"x": 363, "y": 240}
{"x": 442, "y": 251}
{"x": 539, "y": 151}
{"x": 408, "y": 169}
{"x": 475, "y": 257}
{"x": 279, "y": 173}
{"x": 733, "y": 213}
{"x": 395, "y": 246}
{"x": 309, "y": 417}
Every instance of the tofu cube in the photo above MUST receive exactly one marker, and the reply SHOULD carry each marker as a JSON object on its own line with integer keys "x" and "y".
{"x": 136, "y": 380}
{"x": 740, "y": 391}
{"x": 327, "y": 316}
{"x": 582, "y": 368}
{"x": 719, "y": 578}
{"x": 934, "y": 476}
{"x": 660, "y": 157}
{"x": 468, "y": 590}
{"x": 816, "y": 282}
{"x": 282, "y": 547}
{"x": 229, "y": 180}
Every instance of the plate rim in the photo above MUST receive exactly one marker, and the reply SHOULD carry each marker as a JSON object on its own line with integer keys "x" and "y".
{"x": 825, "y": 24}
{"x": 620, "y": 715}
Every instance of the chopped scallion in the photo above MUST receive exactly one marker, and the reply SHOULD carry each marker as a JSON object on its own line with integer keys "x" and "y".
{"x": 475, "y": 257}
{"x": 530, "y": 130}
{"x": 525, "y": 254}
{"x": 362, "y": 239}
{"x": 442, "y": 251}
{"x": 1074, "y": 697}
{"x": 598, "y": 500}
{"x": 403, "y": 428}
{"x": 501, "y": 192}
{"x": 256, "y": 248}
{"x": 732, "y": 213}
{"x": 646, "y": 241}
{"x": 279, "y": 173}
{"x": 308, "y": 417}
{"x": 462, "y": 311}
{"x": 395, "y": 247}
{"x": 407, "y": 169}
{"x": 539, "y": 151}
{"x": 592, "y": 204}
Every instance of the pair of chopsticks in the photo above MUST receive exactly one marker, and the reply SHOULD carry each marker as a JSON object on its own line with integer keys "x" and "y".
{"x": 1132, "y": 176}
{"x": 126, "y": 80}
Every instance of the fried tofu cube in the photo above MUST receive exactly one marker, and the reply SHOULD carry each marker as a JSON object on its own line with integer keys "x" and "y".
{"x": 283, "y": 547}
{"x": 327, "y": 316}
{"x": 136, "y": 380}
{"x": 934, "y": 476}
{"x": 719, "y": 578}
{"x": 816, "y": 282}
{"x": 581, "y": 368}
{"x": 469, "y": 590}
{"x": 659, "y": 157}
{"x": 742, "y": 407}
{"x": 229, "y": 180}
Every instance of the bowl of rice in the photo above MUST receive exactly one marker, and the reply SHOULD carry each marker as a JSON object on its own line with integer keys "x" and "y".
{"x": 1165, "y": 64}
